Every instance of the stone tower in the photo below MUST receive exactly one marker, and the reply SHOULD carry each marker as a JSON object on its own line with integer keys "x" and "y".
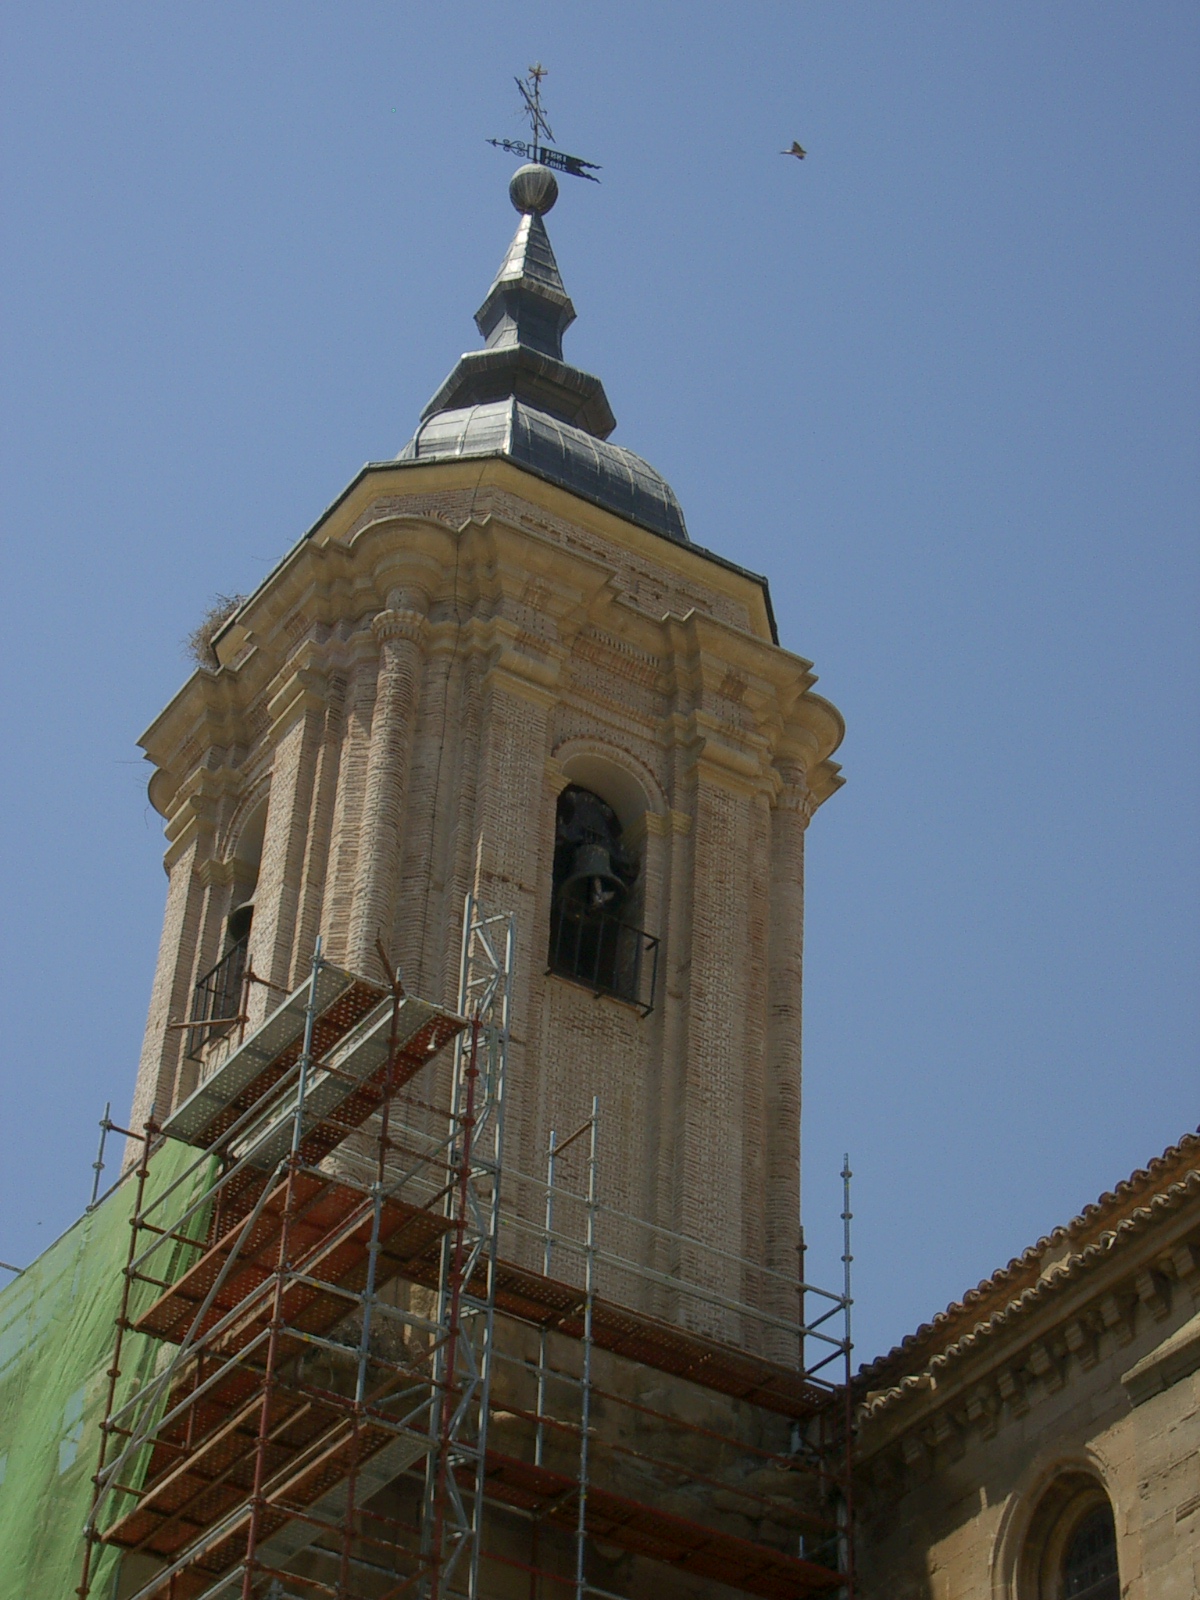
{"x": 498, "y": 662}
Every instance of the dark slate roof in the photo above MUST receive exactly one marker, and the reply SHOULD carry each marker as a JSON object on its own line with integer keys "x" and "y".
{"x": 519, "y": 399}
{"x": 570, "y": 457}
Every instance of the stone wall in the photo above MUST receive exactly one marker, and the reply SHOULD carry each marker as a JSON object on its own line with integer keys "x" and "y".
{"x": 1082, "y": 1385}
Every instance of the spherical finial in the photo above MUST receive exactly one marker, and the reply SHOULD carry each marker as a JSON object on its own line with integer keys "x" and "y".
{"x": 533, "y": 189}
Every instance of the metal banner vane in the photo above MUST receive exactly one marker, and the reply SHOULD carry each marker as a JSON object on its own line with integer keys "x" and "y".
{"x": 530, "y": 87}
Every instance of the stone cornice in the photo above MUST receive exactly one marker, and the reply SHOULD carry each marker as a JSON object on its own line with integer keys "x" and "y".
{"x": 222, "y": 873}
{"x": 198, "y": 799}
{"x": 523, "y": 683}
{"x": 378, "y": 480}
{"x": 1177, "y": 1357}
{"x": 1030, "y": 1347}
{"x": 521, "y": 596}
{"x": 301, "y": 690}
{"x": 1127, "y": 1201}
{"x": 776, "y": 692}
{"x": 716, "y": 753}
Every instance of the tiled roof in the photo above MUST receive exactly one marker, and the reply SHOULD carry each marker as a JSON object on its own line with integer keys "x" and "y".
{"x": 1024, "y": 1284}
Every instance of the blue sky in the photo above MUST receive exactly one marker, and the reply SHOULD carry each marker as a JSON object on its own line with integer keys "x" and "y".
{"x": 938, "y": 381}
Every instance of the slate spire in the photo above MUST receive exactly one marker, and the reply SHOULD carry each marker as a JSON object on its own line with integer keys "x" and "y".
{"x": 517, "y": 398}
{"x": 527, "y": 303}
{"x": 523, "y": 319}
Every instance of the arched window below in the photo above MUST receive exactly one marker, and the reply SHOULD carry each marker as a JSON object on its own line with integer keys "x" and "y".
{"x": 1089, "y": 1565}
{"x": 593, "y": 939}
{"x": 1070, "y": 1546}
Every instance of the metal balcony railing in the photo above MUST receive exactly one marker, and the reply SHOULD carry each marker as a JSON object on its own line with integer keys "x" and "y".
{"x": 217, "y": 999}
{"x": 607, "y": 955}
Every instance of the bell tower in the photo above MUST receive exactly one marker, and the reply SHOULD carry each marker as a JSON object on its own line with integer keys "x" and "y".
{"x": 498, "y": 664}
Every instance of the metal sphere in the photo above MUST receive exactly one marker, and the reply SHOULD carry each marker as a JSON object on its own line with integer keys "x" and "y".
{"x": 533, "y": 189}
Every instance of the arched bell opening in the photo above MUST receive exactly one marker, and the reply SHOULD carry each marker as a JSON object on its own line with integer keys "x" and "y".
{"x": 594, "y": 937}
{"x": 219, "y": 1000}
{"x": 246, "y": 861}
{"x": 237, "y": 929}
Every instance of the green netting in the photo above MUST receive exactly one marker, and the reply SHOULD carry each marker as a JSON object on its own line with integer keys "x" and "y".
{"x": 56, "y": 1342}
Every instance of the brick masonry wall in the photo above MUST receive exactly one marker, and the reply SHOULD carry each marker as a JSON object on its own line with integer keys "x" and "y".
{"x": 412, "y": 697}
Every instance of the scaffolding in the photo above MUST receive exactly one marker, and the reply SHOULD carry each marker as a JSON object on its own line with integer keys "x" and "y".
{"x": 380, "y": 1374}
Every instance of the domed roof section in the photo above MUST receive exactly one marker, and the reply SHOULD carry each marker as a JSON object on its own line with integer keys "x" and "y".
{"x": 518, "y": 399}
{"x": 570, "y": 457}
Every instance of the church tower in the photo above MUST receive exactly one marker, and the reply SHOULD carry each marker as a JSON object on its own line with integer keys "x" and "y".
{"x": 498, "y": 664}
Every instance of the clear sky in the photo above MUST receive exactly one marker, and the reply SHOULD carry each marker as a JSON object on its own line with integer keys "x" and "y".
{"x": 938, "y": 381}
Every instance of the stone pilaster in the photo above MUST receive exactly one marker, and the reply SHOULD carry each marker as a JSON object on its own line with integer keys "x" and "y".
{"x": 461, "y": 841}
{"x": 399, "y": 631}
{"x": 429, "y": 822}
{"x": 711, "y": 1152}
{"x": 298, "y": 714}
{"x": 317, "y": 845}
{"x": 753, "y": 982}
{"x": 793, "y": 807}
{"x": 674, "y": 970}
{"x": 171, "y": 994}
{"x": 354, "y": 752}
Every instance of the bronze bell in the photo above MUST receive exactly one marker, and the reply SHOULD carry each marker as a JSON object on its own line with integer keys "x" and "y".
{"x": 591, "y": 884}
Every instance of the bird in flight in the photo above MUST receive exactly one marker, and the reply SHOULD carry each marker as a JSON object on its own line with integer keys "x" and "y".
{"x": 797, "y": 150}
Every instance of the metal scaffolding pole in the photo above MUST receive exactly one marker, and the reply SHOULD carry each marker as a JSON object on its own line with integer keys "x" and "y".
{"x": 456, "y": 1468}
{"x": 585, "y": 1397}
{"x": 300, "y": 1386}
{"x": 539, "y": 1438}
{"x": 257, "y": 1500}
{"x": 846, "y": 1554}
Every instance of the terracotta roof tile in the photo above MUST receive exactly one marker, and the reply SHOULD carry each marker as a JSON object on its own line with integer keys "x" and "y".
{"x": 1015, "y": 1289}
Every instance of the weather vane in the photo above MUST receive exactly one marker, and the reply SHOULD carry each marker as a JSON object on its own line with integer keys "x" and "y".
{"x": 530, "y": 87}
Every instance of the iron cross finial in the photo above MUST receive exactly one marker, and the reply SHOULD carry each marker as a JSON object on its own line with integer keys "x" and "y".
{"x": 530, "y": 88}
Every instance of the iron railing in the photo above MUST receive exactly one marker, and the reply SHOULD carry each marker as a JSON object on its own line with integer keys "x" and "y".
{"x": 609, "y": 956}
{"x": 217, "y": 999}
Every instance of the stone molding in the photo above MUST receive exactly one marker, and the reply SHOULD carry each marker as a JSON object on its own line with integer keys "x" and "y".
{"x": 530, "y": 597}
{"x": 402, "y": 623}
{"x": 1177, "y": 1357}
{"x": 794, "y": 793}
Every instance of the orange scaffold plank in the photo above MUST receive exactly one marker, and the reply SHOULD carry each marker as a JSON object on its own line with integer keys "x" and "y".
{"x": 660, "y": 1535}
{"x": 313, "y": 1448}
{"x": 343, "y": 999}
{"x": 329, "y": 1241}
{"x": 247, "y": 1105}
{"x": 201, "y": 1463}
{"x": 665, "y": 1346}
{"x": 328, "y": 1249}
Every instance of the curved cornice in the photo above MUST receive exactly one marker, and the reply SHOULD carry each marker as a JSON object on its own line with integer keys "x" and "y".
{"x": 519, "y": 594}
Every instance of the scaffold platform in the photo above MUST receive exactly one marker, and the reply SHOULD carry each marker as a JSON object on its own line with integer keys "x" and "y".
{"x": 331, "y": 1319}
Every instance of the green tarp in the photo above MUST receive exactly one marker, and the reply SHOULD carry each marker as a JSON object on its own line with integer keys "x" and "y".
{"x": 57, "y": 1324}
